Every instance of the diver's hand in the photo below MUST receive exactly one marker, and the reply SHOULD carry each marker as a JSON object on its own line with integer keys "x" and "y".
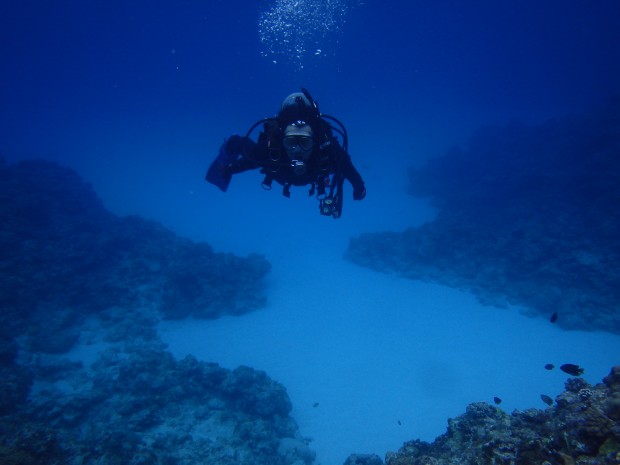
{"x": 234, "y": 145}
{"x": 359, "y": 193}
{"x": 219, "y": 173}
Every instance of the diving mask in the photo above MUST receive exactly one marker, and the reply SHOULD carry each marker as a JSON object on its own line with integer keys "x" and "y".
{"x": 298, "y": 143}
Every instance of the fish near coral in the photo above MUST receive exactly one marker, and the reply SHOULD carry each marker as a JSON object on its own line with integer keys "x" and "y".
{"x": 571, "y": 369}
{"x": 546, "y": 399}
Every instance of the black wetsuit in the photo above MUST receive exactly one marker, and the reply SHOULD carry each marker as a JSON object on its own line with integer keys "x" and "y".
{"x": 328, "y": 158}
{"x": 324, "y": 170}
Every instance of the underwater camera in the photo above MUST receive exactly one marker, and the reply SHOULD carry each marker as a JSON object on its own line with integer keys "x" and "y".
{"x": 327, "y": 206}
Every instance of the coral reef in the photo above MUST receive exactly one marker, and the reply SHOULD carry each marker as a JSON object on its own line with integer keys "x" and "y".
{"x": 74, "y": 277}
{"x": 576, "y": 430}
{"x": 527, "y": 215}
{"x": 363, "y": 459}
{"x": 64, "y": 256}
{"x": 137, "y": 404}
{"x": 74, "y": 280}
{"x": 15, "y": 380}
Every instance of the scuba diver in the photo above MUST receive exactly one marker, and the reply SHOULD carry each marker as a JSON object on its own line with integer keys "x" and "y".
{"x": 295, "y": 148}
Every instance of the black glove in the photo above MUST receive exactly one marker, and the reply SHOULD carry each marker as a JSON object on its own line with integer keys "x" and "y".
{"x": 234, "y": 145}
{"x": 219, "y": 173}
{"x": 359, "y": 192}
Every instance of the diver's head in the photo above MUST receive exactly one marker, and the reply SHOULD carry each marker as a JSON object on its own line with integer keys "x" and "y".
{"x": 296, "y": 99}
{"x": 298, "y": 143}
{"x": 298, "y": 140}
{"x": 296, "y": 107}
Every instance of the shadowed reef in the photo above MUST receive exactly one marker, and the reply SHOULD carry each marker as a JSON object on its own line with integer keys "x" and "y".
{"x": 61, "y": 249}
{"x": 74, "y": 277}
{"x": 580, "y": 428}
{"x": 527, "y": 215}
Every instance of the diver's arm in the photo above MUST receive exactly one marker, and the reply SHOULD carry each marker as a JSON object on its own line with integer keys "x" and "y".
{"x": 241, "y": 154}
{"x": 232, "y": 158}
{"x": 353, "y": 176}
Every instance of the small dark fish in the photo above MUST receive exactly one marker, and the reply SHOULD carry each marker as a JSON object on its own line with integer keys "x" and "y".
{"x": 546, "y": 399}
{"x": 497, "y": 400}
{"x": 549, "y": 366}
{"x": 554, "y": 317}
{"x": 315, "y": 405}
{"x": 571, "y": 369}
{"x": 399, "y": 423}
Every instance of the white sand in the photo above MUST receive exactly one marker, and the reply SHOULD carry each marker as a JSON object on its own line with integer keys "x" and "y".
{"x": 386, "y": 359}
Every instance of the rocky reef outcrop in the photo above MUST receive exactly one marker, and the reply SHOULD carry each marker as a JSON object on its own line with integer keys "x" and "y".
{"x": 84, "y": 376}
{"x": 64, "y": 256}
{"x": 582, "y": 427}
{"x": 527, "y": 215}
{"x": 136, "y": 404}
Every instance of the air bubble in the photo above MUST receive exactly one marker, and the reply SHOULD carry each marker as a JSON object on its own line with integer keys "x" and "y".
{"x": 296, "y": 30}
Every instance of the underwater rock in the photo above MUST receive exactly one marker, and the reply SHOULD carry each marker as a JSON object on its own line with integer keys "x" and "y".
{"x": 64, "y": 256}
{"x": 577, "y": 430}
{"x": 84, "y": 376}
{"x": 53, "y": 331}
{"x": 32, "y": 445}
{"x": 15, "y": 380}
{"x": 15, "y": 384}
{"x": 363, "y": 459}
{"x": 295, "y": 452}
{"x": 612, "y": 404}
{"x": 612, "y": 380}
{"x": 142, "y": 403}
{"x": 253, "y": 391}
{"x": 527, "y": 215}
{"x": 8, "y": 350}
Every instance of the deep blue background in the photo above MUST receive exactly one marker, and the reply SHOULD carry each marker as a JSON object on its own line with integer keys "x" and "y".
{"x": 138, "y": 95}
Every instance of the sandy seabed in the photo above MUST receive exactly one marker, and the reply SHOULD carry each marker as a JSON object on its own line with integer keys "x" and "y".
{"x": 372, "y": 360}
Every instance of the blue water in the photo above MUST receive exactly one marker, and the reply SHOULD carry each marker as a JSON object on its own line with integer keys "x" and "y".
{"x": 137, "y": 96}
